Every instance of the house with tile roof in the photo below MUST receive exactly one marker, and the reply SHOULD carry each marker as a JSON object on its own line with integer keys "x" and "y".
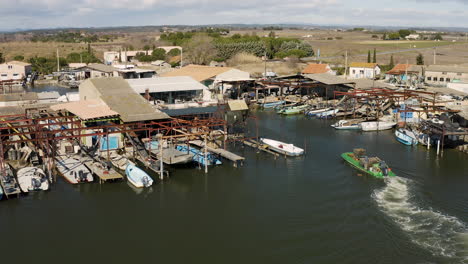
{"x": 361, "y": 70}
{"x": 317, "y": 68}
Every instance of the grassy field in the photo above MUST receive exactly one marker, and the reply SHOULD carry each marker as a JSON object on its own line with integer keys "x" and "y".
{"x": 331, "y": 43}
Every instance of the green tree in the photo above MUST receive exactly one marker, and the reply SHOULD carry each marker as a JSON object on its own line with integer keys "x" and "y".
{"x": 384, "y": 37}
{"x": 420, "y": 59}
{"x": 200, "y": 49}
{"x": 368, "y": 56}
{"x": 174, "y": 52}
{"x": 18, "y": 58}
{"x": 438, "y": 36}
{"x": 374, "y": 58}
{"x": 159, "y": 54}
{"x": 271, "y": 34}
{"x": 394, "y": 36}
{"x": 404, "y": 33}
{"x": 392, "y": 63}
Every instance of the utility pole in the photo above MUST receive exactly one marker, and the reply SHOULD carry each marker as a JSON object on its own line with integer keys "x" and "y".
{"x": 58, "y": 61}
{"x": 181, "y": 56}
{"x": 346, "y": 65}
{"x": 406, "y": 73}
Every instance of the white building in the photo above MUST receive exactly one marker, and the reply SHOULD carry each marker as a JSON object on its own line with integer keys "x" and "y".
{"x": 441, "y": 75}
{"x": 14, "y": 70}
{"x": 413, "y": 37}
{"x": 361, "y": 70}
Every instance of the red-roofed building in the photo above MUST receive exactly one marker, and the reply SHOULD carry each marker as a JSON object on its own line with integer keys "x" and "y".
{"x": 314, "y": 68}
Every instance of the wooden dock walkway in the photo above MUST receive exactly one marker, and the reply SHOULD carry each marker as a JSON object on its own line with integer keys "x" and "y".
{"x": 221, "y": 152}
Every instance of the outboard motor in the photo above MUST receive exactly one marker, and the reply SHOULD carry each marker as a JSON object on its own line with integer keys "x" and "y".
{"x": 145, "y": 181}
{"x": 82, "y": 176}
{"x": 35, "y": 184}
{"x": 384, "y": 168}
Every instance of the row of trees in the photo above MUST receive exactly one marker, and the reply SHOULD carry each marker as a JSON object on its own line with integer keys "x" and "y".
{"x": 72, "y": 37}
{"x": 157, "y": 54}
{"x": 403, "y": 33}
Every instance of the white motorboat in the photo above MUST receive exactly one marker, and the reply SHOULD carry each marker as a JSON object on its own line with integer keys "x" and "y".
{"x": 317, "y": 111}
{"x": 328, "y": 113}
{"x": 137, "y": 176}
{"x": 282, "y": 148}
{"x": 347, "y": 125}
{"x": 32, "y": 179}
{"x": 406, "y": 136}
{"x": 73, "y": 170}
{"x": 377, "y": 126}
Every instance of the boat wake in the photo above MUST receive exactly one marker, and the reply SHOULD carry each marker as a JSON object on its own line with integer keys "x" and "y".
{"x": 440, "y": 234}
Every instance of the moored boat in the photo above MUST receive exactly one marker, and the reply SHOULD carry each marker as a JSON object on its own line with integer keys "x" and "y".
{"x": 347, "y": 125}
{"x": 406, "y": 136}
{"x": 327, "y": 114}
{"x": 377, "y": 126}
{"x": 282, "y": 148}
{"x": 170, "y": 154}
{"x": 293, "y": 110}
{"x": 1, "y": 192}
{"x": 8, "y": 182}
{"x": 273, "y": 104}
{"x": 73, "y": 170}
{"x": 199, "y": 155}
{"x": 373, "y": 166}
{"x": 317, "y": 111}
{"x": 32, "y": 179}
{"x": 137, "y": 177}
{"x": 119, "y": 161}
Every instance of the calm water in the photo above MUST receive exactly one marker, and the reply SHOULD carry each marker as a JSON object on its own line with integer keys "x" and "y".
{"x": 313, "y": 209}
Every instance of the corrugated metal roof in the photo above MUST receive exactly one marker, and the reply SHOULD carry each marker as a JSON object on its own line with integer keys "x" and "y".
{"x": 328, "y": 79}
{"x": 237, "y": 105}
{"x": 197, "y": 72}
{"x": 101, "y": 68}
{"x": 363, "y": 65}
{"x": 165, "y": 84}
{"x": 85, "y": 110}
{"x": 120, "y": 97}
{"x": 191, "y": 111}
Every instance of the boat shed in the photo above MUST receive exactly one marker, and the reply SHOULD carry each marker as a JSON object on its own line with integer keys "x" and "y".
{"x": 87, "y": 110}
{"x": 170, "y": 89}
{"x": 328, "y": 79}
{"x": 116, "y": 93}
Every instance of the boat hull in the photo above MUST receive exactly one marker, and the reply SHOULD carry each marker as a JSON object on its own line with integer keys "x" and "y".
{"x": 349, "y": 158}
{"x": 136, "y": 175}
{"x": 272, "y": 104}
{"x": 376, "y": 126}
{"x": 283, "y": 148}
{"x": 406, "y": 137}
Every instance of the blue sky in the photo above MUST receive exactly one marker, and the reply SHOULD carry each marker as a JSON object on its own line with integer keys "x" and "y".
{"x": 96, "y": 13}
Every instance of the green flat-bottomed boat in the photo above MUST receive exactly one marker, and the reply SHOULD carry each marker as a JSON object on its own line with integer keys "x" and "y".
{"x": 370, "y": 165}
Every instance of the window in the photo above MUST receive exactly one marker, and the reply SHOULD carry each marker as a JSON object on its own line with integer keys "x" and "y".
{"x": 15, "y": 74}
{"x": 354, "y": 71}
{"x": 441, "y": 79}
{"x": 361, "y": 71}
{"x": 459, "y": 74}
{"x": 447, "y": 80}
{"x": 10, "y": 67}
{"x": 4, "y": 75}
{"x": 429, "y": 78}
{"x": 444, "y": 73}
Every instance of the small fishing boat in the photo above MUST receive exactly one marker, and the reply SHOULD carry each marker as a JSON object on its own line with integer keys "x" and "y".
{"x": 347, "y": 125}
{"x": 273, "y": 104}
{"x": 376, "y": 126}
{"x": 282, "y": 148}
{"x": 199, "y": 155}
{"x": 423, "y": 139}
{"x": 327, "y": 114}
{"x": 293, "y": 110}
{"x": 317, "y": 111}
{"x": 73, "y": 170}
{"x": 137, "y": 176}
{"x": 8, "y": 182}
{"x": 119, "y": 161}
{"x": 32, "y": 179}
{"x": 170, "y": 154}
{"x": 373, "y": 166}
{"x": 406, "y": 137}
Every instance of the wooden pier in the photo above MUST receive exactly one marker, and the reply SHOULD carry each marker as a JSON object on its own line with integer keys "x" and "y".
{"x": 236, "y": 159}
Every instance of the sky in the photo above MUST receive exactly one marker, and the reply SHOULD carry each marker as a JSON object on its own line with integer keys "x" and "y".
{"x": 34, "y": 14}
